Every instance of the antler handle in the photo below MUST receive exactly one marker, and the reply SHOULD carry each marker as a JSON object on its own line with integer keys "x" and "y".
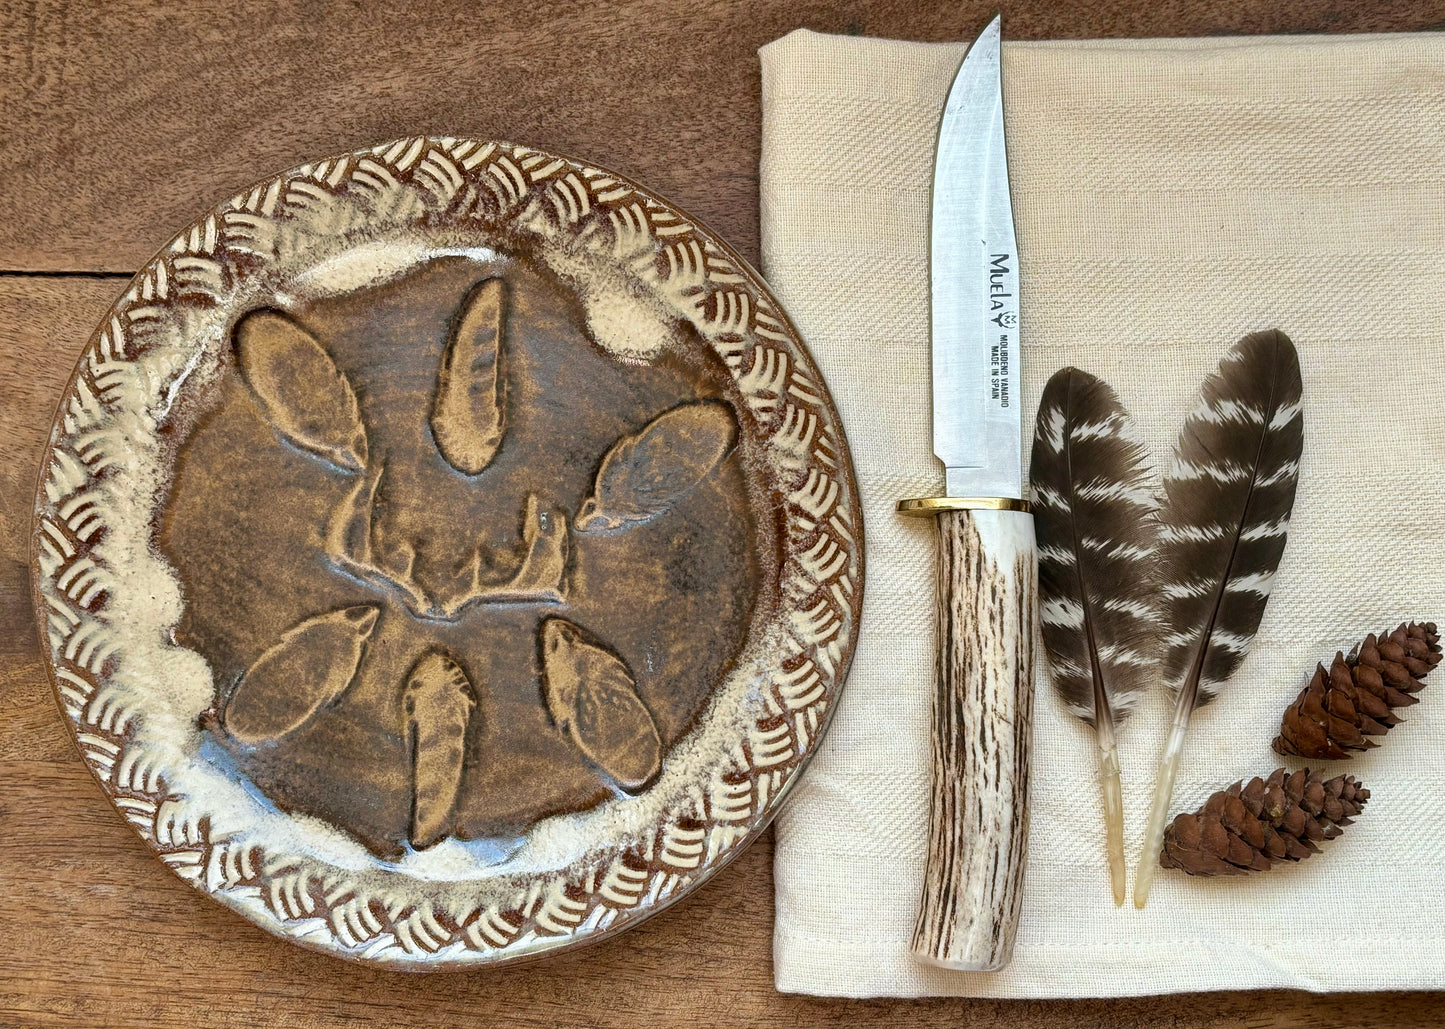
{"x": 982, "y": 715}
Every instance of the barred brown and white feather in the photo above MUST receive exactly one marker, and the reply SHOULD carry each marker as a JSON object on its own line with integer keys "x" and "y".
{"x": 1223, "y": 521}
{"x": 1094, "y": 517}
{"x": 1225, "y": 513}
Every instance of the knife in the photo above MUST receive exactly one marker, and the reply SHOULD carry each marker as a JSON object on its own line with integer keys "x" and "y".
{"x": 987, "y": 568}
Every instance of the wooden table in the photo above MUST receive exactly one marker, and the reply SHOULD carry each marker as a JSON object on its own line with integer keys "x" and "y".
{"x": 121, "y": 122}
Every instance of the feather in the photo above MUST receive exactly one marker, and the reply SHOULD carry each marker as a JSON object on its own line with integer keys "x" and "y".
{"x": 438, "y": 702}
{"x": 644, "y": 474}
{"x": 592, "y": 697}
{"x": 1094, "y": 519}
{"x": 305, "y": 397}
{"x": 1223, "y": 522}
{"x": 309, "y": 668}
{"x": 467, "y": 414}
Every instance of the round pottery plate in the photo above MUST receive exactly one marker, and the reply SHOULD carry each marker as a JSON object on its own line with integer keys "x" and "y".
{"x": 448, "y": 553}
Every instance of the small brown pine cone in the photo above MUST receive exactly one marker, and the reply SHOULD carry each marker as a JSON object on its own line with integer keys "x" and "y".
{"x": 1356, "y": 698}
{"x": 1246, "y": 828}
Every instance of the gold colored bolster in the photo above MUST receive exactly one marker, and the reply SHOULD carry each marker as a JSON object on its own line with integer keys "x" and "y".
{"x": 928, "y": 506}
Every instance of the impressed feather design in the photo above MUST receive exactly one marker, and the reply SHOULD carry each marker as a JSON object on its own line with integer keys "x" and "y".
{"x": 312, "y": 665}
{"x": 1094, "y": 520}
{"x": 467, "y": 415}
{"x": 645, "y": 474}
{"x": 437, "y": 703}
{"x": 1223, "y": 522}
{"x": 274, "y": 353}
{"x": 592, "y": 696}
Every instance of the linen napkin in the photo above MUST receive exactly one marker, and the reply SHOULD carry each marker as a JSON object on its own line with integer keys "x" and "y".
{"x": 1170, "y": 197}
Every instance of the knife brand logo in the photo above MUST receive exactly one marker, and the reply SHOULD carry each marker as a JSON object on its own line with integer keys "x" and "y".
{"x": 998, "y": 273}
{"x": 1002, "y": 302}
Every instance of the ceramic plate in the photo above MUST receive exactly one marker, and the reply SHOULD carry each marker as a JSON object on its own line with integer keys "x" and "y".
{"x": 448, "y": 553}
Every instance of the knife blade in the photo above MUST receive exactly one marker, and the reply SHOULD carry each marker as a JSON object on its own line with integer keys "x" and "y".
{"x": 987, "y": 568}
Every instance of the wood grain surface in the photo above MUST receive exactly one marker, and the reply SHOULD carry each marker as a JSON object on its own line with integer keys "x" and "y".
{"x": 123, "y": 120}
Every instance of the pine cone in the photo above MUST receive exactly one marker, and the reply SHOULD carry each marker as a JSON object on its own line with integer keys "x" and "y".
{"x": 1246, "y": 828}
{"x": 1356, "y": 698}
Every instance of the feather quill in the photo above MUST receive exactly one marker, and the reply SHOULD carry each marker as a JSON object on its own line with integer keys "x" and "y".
{"x": 1094, "y": 519}
{"x": 1223, "y": 520}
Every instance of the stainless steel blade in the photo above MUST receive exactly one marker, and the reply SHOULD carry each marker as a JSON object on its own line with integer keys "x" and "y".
{"x": 977, "y": 423}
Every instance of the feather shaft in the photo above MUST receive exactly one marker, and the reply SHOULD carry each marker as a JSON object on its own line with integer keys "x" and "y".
{"x": 1159, "y": 813}
{"x": 1110, "y": 782}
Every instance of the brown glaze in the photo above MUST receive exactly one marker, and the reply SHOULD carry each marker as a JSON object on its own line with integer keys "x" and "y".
{"x": 266, "y": 530}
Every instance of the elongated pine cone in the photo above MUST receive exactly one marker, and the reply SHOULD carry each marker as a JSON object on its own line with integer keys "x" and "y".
{"x": 1356, "y": 699}
{"x": 1248, "y": 828}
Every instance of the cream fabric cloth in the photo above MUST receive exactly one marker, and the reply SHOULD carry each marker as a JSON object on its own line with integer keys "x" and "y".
{"x": 1170, "y": 197}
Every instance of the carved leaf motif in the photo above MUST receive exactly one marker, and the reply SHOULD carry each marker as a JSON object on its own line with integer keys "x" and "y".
{"x": 311, "y": 667}
{"x": 305, "y": 397}
{"x": 644, "y": 474}
{"x": 467, "y": 414}
{"x": 592, "y": 697}
{"x": 438, "y": 702}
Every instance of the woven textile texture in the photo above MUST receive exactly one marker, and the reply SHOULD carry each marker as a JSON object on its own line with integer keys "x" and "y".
{"x": 1170, "y": 197}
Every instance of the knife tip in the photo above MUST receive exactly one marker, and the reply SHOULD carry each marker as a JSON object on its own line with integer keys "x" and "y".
{"x": 991, "y": 37}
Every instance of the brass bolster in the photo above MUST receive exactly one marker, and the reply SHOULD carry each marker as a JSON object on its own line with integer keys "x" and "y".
{"x": 926, "y": 507}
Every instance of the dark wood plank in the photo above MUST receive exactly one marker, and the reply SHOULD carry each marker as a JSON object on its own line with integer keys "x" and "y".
{"x": 124, "y": 120}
